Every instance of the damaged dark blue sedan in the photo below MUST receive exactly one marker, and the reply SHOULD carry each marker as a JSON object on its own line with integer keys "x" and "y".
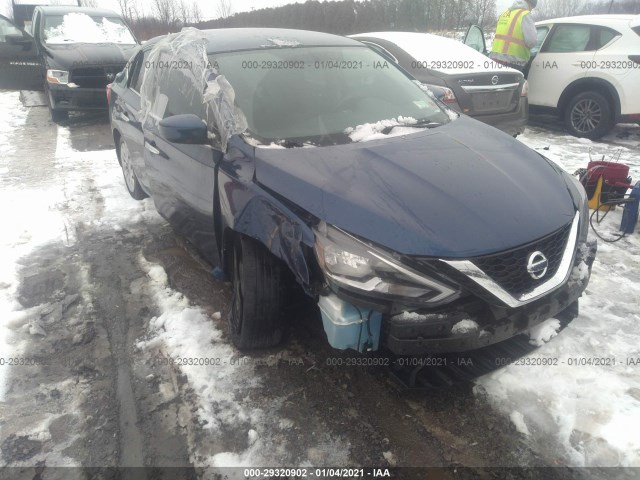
{"x": 294, "y": 156}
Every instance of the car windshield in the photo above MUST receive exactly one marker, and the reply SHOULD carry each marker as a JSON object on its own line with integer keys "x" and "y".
{"x": 77, "y": 27}
{"x": 325, "y": 95}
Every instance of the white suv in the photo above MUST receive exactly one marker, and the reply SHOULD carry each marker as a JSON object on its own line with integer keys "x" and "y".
{"x": 587, "y": 69}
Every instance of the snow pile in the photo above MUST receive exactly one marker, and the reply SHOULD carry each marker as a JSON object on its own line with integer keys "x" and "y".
{"x": 518, "y": 421}
{"x": 81, "y": 28}
{"x": 187, "y": 332}
{"x": 585, "y": 394}
{"x": 543, "y": 332}
{"x": 374, "y": 131}
{"x": 224, "y": 390}
{"x": 464, "y": 326}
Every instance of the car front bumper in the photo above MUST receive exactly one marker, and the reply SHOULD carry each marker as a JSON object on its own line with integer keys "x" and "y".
{"x": 63, "y": 97}
{"x": 476, "y": 324}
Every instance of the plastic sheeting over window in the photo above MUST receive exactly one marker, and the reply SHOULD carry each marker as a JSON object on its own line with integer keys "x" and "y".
{"x": 180, "y": 79}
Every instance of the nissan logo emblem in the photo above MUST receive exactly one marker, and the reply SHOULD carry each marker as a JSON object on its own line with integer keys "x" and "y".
{"x": 537, "y": 265}
{"x": 111, "y": 76}
{"x": 494, "y": 80}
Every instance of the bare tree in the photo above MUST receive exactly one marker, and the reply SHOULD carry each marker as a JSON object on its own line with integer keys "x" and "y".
{"x": 486, "y": 12}
{"x": 224, "y": 8}
{"x": 8, "y": 9}
{"x": 196, "y": 13}
{"x": 166, "y": 11}
{"x": 558, "y": 8}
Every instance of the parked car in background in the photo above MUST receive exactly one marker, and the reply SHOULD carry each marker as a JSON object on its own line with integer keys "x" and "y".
{"x": 586, "y": 69}
{"x": 72, "y": 53}
{"x": 462, "y": 78}
{"x": 287, "y": 155}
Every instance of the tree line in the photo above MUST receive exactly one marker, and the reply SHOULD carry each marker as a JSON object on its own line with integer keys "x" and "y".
{"x": 345, "y": 17}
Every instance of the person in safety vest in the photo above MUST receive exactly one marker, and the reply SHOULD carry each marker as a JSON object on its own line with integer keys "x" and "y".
{"x": 515, "y": 35}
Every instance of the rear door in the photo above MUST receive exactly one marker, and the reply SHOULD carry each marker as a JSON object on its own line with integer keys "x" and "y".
{"x": 126, "y": 110}
{"x": 182, "y": 176}
{"x": 565, "y": 55}
{"x": 19, "y": 63}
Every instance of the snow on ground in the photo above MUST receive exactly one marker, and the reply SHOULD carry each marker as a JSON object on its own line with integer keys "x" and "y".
{"x": 85, "y": 190}
{"x": 591, "y": 410}
{"x": 49, "y": 211}
{"x": 224, "y": 386}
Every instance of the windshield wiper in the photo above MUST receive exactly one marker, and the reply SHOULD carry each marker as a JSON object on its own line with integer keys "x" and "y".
{"x": 419, "y": 124}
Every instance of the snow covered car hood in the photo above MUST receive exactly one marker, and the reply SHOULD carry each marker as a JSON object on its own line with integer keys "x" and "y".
{"x": 79, "y": 55}
{"x": 459, "y": 190}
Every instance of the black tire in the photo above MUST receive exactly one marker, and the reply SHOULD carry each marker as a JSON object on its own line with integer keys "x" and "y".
{"x": 58, "y": 115}
{"x": 257, "y": 317}
{"x": 589, "y": 115}
{"x": 130, "y": 178}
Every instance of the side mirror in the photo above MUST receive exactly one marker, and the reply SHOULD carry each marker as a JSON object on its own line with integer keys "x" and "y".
{"x": 187, "y": 128}
{"x": 16, "y": 39}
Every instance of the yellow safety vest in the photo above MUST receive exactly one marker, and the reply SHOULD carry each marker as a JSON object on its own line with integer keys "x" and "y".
{"x": 509, "y": 39}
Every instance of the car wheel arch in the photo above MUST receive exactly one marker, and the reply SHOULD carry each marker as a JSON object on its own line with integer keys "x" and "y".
{"x": 270, "y": 223}
{"x": 594, "y": 84}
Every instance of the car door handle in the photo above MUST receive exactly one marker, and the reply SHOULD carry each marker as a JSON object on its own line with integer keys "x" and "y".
{"x": 152, "y": 148}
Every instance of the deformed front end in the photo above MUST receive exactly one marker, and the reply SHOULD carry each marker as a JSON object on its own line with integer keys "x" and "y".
{"x": 417, "y": 305}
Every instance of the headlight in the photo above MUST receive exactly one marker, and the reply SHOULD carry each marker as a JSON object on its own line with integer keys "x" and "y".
{"x": 355, "y": 265}
{"x": 58, "y": 76}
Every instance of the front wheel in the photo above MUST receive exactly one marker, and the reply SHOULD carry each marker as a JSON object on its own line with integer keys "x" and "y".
{"x": 589, "y": 115}
{"x": 58, "y": 115}
{"x": 257, "y": 317}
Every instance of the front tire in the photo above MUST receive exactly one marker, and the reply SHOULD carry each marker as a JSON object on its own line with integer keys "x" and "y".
{"x": 589, "y": 115}
{"x": 58, "y": 115}
{"x": 130, "y": 179}
{"x": 257, "y": 317}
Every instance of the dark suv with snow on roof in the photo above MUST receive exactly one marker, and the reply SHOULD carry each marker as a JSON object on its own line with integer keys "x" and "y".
{"x": 71, "y": 52}
{"x": 286, "y": 154}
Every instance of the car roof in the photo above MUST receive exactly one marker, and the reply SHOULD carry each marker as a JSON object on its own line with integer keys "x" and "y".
{"x": 221, "y": 40}
{"x": 62, "y": 10}
{"x": 601, "y": 20}
{"x": 427, "y": 46}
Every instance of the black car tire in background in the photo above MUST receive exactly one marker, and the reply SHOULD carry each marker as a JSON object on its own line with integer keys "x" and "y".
{"x": 588, "y": 115}
{"x": 57, "y": 115}
{"x": 130, "y": 179}
{"x": 257, "y": 314}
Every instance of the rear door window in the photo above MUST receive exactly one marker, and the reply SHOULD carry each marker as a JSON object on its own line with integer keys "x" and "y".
{"x": 569, "y": 38}
{"x": 604, "y": 36}
{"x": 138, "y": 73}
{"x": 176, "y": 93}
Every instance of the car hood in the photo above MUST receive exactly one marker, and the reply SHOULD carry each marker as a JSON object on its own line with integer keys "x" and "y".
{"x": 459, "y": 190}
{"x": 88, "y": 54}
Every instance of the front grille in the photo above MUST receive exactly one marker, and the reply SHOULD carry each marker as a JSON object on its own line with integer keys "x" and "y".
{"x": 509, "y": 269}
{"x": 95, "y": 77}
